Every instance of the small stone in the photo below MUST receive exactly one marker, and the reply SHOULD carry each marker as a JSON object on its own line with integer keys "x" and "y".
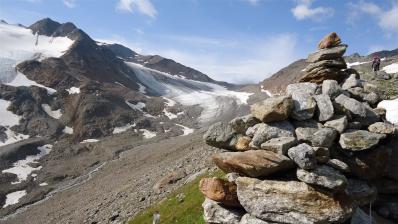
{"x": 303, "y": 155}
{"x": 382, "y": 128}
{"x": 241, "y": 124}
{"x": 219, "y": 190}
{"x": 339, "y": 123}
{"x": 329, "y": 41}
{"x": 220, "y": 135}
{"x": 304, "y": 87}
{"x": 323, "y": 176}
{"x": 339, "y": 165}
{"x": 331, "y": 88}
{"x": 304, "y": 106}
{"x": 372, "y": 98}
{"x": 231, "y": 177}
{"x": 351, "y": 82}
{"x": 358, "y": 140}
{"x": 273, "y": 109}
{"x": 369, "y": 87}
{"x": 325, "y": 109}
{"x": 352, "y": 105}
{"x": 326, "y": 54}
{"x": 279, "y": 145}
{"x": 215, "y": 213}
{"x": 265, "y": 131}
{"x": 253, "y": 163}
{"x": 323, "y": 137}
{"x": 243, "y": 143}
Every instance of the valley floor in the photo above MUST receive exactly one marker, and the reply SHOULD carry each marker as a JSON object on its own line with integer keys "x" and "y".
{"x": 123, "y": 186}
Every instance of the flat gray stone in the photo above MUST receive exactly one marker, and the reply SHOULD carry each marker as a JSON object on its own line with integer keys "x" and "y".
{"x": 323, "y": 176}
{"x": 303, "y": 155}
{"x": 358, "y": 140}
{"x": 325, "y": 110}
{"x": 279, "y": 145}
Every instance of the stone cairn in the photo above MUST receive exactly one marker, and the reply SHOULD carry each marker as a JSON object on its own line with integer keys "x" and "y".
{"x": 318, "y": 154}
{"x": 327, "y": 62}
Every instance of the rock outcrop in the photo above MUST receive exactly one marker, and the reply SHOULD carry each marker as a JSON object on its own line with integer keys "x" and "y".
{"x": 314, "y": 155}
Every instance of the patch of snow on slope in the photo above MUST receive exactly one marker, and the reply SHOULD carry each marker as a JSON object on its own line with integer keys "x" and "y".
{"x": 169, "y": 102}
{"x": 90, "y": 140}
{"x": 391, "y": 107}
{"x": 13, "y": 137}
{"x": 21, "y": 80}
{"x": 68, "y": 130}
{"x": 22, "y": 169}
{"x": 43, "y": 184}
{"x": 393, "y": 68}
{"x": 169, "y": 114}
{"x": 186, "y": 130}
{"x": 13, "y": 198}
{"x": 142, "y": 89}
{"x": 148, "y": 134}
{"x": 56, "y": 114}
{"x": 73, "y": 90}
{"x": 349, "y": 65}
{"x": 137, "y": 106}
{"x": 266, "y": 91}
{"x": 7, "y": 118}
{"x": 124, "y": 128}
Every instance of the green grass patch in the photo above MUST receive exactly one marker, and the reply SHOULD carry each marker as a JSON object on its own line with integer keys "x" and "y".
{"x": 188, "y": 211}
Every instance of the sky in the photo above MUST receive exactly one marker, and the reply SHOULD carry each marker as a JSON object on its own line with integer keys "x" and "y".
{"x": 239, "y": 41}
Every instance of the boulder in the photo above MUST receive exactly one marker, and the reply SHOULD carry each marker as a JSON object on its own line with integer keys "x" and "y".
{"x": 215, "y": 213}
{"x": 304, "y": 106}
{"x": 329, "y": 41}
{"x": 358, "y": 140}
{"x": 303, "y": 155}
{"x": 337, "y": 63}
{"x": 323, "y": 176}
{"x": 279, "y": 145}
{"x": 382, "y": 128}
{"x": 351, "y": 82}
{"x": 331, "y": 88}
{"x": 265, "y": 131}
{"x": 273, "y": 109}
{"x": 243, "y": 143}
{"x": 253, "y": 163}
{"x": 320, "y": 74}
{"x": 291, "y": 202}
{"x": 219, "y": 190}
{"x": 338, "y": 123}
{"x": 325, "y": 110}
{"x": 241, "y": 124}
{"x": 372, "y": 98}
{"x": 361, "y": 192}
{"x": 339, "y": 165}
{"x": 220, "y": 135}
{"x": 326, "y": 54}
{"x": 352, "y": 105}
{"x": 370, "y": 117}
{"x": 323, "y": 137}
{"x": 304, "y": 87}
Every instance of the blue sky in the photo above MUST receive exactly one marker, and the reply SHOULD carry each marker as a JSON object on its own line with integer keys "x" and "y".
{"x": 238, "y": 41}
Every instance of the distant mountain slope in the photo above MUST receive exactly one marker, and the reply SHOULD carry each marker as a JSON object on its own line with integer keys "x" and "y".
{"x": 291, "y": 73}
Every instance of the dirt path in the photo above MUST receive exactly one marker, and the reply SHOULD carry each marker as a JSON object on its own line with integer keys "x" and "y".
{"x": 122, "y": 187}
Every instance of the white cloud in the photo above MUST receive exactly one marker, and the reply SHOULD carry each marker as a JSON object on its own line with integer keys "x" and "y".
{"x": 303, "y": 11}
{"x": 70, "y": 3}
{"x": 142, "y": 6}
{"x": 386, "y": 19}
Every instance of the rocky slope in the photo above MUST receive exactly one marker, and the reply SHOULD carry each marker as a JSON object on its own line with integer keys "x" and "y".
{"x": 62, "y": 94}
{"x": 318, "y": 153}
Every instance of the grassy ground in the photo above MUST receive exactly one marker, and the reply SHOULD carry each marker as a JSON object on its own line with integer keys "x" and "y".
{"x": 171, "y": 210}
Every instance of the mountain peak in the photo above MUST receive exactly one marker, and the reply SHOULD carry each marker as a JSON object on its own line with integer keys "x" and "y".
{"x": 45, "y": 26}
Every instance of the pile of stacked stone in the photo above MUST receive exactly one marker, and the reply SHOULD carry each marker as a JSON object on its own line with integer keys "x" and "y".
{"x": 327, "y": 62}
{"x": 318, "y": 154}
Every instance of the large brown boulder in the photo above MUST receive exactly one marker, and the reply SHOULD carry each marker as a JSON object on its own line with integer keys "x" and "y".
{"x": 329, "y": 41}
{"x": 219, "y": 190}
{"x": 252, "y": 163}
{"x": 292, "y": 202}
